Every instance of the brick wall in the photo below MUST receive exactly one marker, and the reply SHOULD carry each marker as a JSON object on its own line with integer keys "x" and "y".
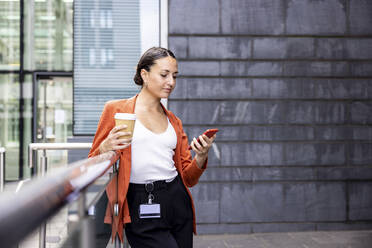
{"x": 289, "y": 84}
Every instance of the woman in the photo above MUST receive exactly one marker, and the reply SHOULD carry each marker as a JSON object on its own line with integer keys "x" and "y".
{"x": 156, "y": 166}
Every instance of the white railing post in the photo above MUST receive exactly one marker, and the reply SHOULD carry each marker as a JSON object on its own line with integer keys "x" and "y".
{"x": 2, "y": 168}
{"x": 41, "y": 172}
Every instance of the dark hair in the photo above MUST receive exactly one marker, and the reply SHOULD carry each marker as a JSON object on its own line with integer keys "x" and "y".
{"x": 148, "y": 59}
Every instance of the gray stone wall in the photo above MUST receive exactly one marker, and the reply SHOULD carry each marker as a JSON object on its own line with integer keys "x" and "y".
{"x": 289, "y": 84}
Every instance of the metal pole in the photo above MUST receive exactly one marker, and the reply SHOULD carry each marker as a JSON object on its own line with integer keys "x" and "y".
{"x": 42, "y": 234}
{"x": 45, "y": 115}
{"x": 87, "y": 235}
{"x": 116, "y": 206}
{"x": 43, "y": 164}
{"x": 117, "y": 242}
{"x": 41, "y": 173}
{"x": 87, "y": 238}
{"x": 81, "y": 206}
{"x": 2, "y": 168}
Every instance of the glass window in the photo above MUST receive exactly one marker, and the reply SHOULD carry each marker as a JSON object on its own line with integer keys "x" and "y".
{"x": 9, "y": 35}
{"x": 54, "y": 109}
{"x": 109, "y": 39}
{"x": 48, "y": 35}
{"x": 9, "y": 123}
{"x": 54, "y": 115}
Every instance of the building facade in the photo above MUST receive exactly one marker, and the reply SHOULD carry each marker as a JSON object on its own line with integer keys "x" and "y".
{"x": 289, "y": 84}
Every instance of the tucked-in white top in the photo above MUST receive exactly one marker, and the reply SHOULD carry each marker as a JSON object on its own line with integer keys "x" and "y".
{"x": 152, "y": 154}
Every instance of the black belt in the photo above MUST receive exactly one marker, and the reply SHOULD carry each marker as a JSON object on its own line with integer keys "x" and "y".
{"x": 156, "y": 185}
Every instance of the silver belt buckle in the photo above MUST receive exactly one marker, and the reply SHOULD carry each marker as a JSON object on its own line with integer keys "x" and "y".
{"x": 116, "y": 209}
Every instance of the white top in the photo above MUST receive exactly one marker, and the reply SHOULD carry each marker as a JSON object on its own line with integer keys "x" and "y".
{"x": 152, "y": 154}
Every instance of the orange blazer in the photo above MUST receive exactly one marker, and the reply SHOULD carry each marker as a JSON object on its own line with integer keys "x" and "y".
{"x": 185, "y": 165}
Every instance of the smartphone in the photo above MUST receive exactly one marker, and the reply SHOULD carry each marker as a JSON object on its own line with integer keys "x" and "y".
{"x": 209, "y": 133}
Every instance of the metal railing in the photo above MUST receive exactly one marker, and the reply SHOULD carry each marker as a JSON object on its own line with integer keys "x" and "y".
{"x": 43, "y": 197}
{"x": 44, "y": 166}
{"x": 2, "y": 168}
{"x": 51, "y": 146}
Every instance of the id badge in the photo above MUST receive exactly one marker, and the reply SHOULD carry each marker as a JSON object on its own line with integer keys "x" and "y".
{"x": 149, "y": 211}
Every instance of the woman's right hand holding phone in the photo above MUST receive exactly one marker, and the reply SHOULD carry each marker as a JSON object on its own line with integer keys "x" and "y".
{"x": 114, "y": 140}
{"x": 201, "y": 145}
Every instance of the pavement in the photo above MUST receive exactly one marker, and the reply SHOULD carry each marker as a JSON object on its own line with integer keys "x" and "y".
{"x": 319, "y": 239}
{"x": 56, "y": 233}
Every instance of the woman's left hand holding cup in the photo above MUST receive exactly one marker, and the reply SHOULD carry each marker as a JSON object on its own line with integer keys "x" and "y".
{"x": 117, "y": 139}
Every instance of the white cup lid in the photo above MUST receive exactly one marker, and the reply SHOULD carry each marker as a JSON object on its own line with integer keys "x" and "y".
{"x": 125, "y": 116}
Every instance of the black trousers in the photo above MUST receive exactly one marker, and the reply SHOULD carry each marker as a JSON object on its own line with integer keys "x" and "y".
{"x": 174, "y": 229}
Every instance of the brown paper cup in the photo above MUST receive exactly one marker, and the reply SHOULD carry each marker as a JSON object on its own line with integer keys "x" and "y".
{"x": 125, "y": 119}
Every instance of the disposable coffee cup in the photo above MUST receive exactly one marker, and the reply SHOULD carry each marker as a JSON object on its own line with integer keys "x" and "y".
{"x": 125, "y": 119}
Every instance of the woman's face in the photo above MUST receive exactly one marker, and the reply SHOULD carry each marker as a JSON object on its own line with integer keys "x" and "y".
{"x": 161, "y": 79}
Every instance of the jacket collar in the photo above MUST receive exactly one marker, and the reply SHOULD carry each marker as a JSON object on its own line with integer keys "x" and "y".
{"x": 130, "y": 104}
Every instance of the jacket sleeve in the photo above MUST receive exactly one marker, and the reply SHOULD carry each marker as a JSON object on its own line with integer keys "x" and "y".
{"x": 105, "y": 124}
{"x": 190, "y": 169}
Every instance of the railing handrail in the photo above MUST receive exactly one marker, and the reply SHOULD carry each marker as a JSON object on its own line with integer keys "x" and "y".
{"x": 21, "y": 213}
{"x": 54, "y": 146}
{"x": 2, "y": 168}
{"x": 59, "y": 146}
